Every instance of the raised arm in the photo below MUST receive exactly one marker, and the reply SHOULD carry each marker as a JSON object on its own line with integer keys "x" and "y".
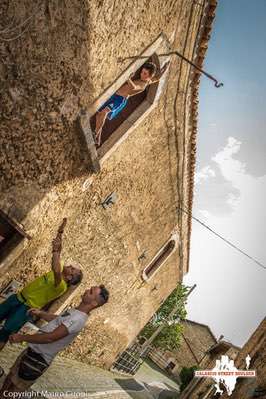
{"x": 162, "y": 71}
{"x": 42, "y": 338}
{"x": 136, "y": 84}
{"x": 57, "y": 247}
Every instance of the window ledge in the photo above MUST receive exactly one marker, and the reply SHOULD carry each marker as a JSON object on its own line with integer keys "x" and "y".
{"x": 13, "y": 255}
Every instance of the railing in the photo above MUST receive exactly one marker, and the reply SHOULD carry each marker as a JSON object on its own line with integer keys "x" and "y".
{"x": 129, "y": 361}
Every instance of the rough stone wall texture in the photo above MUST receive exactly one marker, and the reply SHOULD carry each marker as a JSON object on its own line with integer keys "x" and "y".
{"x": 195, "y": 341}
{"x": 62, "y": 62}
{"x": 197, "y": 338}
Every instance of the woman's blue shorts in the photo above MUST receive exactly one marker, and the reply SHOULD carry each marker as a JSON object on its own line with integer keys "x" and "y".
{"x": 115, "y": 103}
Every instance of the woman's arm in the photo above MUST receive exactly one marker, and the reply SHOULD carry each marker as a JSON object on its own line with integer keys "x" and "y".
{"x": 136, "y": 84}
{"x": 163, "y": 70}
{"x": 131, "y": 83}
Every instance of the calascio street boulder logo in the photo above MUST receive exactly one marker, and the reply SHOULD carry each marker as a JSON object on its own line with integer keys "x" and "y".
{"x": 225, "y": 374}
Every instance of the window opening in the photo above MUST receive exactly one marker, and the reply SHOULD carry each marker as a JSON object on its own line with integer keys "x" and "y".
{"x": 133, "y": 102}
{"x": 10, "y": 235}
{"x": 159, "y": 259}
{"x": 170, "y": 366}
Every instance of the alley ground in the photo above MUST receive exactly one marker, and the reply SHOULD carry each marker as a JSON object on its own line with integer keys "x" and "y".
{"x": 148, "y": 383}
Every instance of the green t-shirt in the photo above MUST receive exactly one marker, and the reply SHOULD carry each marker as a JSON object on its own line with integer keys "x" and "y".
{"x": 42, "y": 290}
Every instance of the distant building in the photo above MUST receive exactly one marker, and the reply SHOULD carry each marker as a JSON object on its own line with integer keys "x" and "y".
{"x": 196, "y": 340}
{"x": 198, "y": 387}
{"x": 255, "y": 347}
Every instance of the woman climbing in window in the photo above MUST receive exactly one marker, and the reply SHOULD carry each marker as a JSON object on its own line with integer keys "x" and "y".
{"x": 117, "y": 102}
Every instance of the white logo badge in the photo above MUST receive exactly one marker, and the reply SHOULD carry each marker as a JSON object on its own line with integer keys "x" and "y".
{"x": 225, "y": 373}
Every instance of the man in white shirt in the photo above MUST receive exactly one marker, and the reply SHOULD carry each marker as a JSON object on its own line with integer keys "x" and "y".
{"x": 52, "y": 338}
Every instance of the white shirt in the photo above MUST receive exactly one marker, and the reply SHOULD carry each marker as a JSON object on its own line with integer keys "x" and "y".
{"x": 74, "y": 320}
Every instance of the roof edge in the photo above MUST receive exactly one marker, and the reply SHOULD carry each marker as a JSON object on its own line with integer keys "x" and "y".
{"x": 202, "y": 325}
{"x": 200, "y": 53}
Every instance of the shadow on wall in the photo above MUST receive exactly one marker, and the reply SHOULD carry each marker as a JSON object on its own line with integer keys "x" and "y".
{"x": 45, "y": 80}
{"x": 43, "y": 77}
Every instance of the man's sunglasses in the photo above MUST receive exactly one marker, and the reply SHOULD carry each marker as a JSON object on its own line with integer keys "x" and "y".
{"x": 104, "y": 293}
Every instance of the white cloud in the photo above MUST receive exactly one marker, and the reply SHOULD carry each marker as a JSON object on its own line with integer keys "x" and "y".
{"x": 233, "y": 200}
{"x": 230, "y": 287}
{"x": 204, "y": 213}
{"x": 204, "y": 174}
{"x": 231, "y": 168}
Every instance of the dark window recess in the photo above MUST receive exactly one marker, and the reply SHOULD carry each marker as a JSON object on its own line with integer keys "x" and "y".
{"x": 170, "y": 366}
{"x": 10, "y": 235}
{"x": 133, "y": 103}
{"x": 156, "y": 263}
{"x": 111, "y": 125}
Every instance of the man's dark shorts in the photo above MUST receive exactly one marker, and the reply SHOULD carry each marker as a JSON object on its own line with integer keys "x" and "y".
{"x": 28, "y": 367}
{"x": 15, "y": 314}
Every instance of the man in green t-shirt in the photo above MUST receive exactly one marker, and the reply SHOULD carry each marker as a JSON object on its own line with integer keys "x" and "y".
{"x": 38, "y": 293}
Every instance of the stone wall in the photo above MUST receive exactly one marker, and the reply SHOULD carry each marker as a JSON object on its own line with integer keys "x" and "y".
{"x": 195, "y": 341}
{"x": 63, "y": 61}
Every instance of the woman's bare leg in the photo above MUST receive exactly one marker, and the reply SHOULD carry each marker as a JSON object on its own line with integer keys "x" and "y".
{"x": 100, "y": 121}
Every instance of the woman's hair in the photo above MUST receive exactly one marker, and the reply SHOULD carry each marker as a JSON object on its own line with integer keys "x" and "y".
{"x": 151, "y": 67}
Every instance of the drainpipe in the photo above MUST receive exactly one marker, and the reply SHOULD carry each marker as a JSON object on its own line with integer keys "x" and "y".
{"x": 191, "y": 350}
{"x": 209, "y": 76}
{"x": 216, "y": 83}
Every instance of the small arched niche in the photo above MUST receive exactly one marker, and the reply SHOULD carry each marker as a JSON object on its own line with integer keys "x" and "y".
{"x": 160, "y": 258}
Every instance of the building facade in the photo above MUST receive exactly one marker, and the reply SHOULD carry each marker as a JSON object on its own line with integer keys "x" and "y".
{"x": 196, "y": 339}
{"x": 202, "y": 388}
{"x": 60, "y": 62}
{"x": 255, "y": 349}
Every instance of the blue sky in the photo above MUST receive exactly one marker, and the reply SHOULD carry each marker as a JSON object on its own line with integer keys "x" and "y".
{"x": 237, "y": 56}
{"x": 231, "y": 175}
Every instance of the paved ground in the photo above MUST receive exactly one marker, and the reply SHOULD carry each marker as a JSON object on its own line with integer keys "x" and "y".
{"x": 150, "y": 372}
{"x": 71, "y": 377}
